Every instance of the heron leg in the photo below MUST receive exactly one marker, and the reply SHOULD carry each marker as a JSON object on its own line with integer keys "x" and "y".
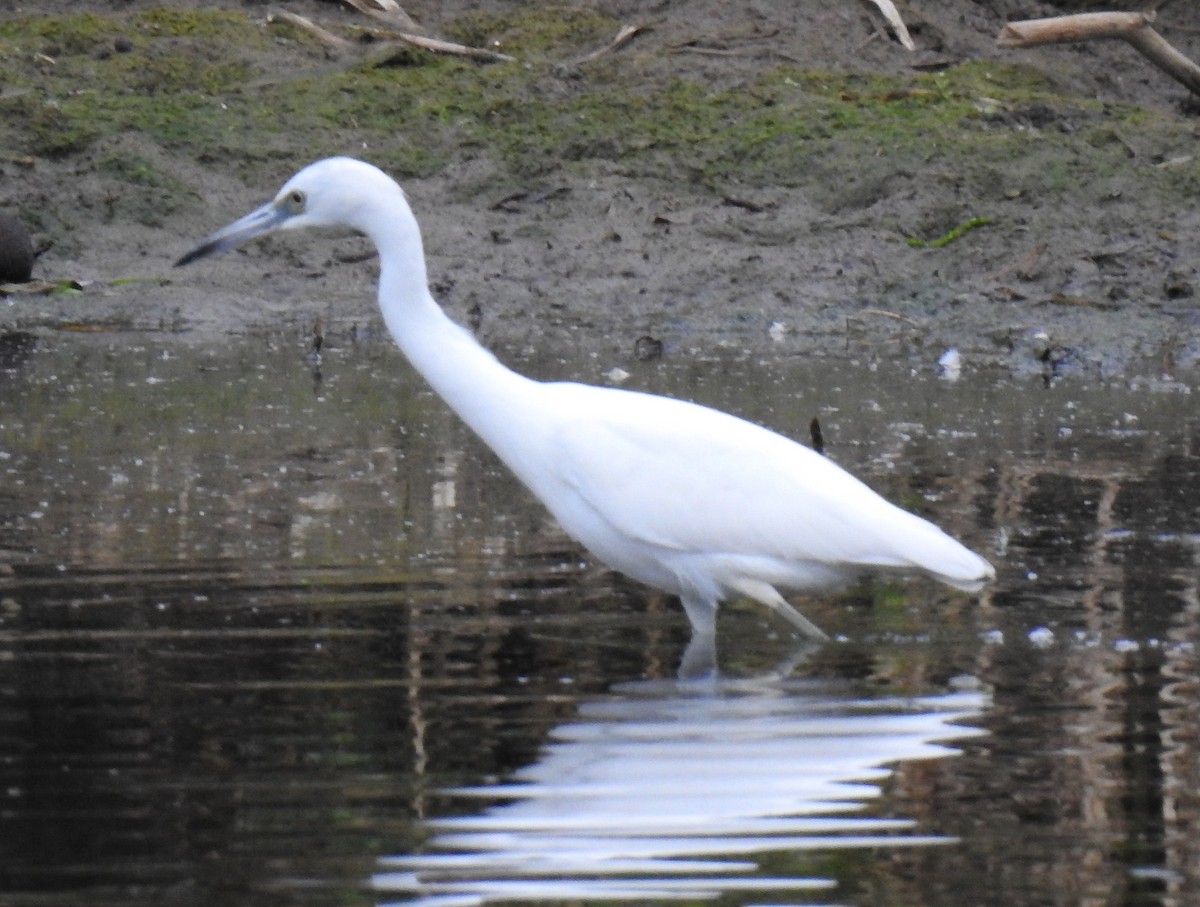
{"x": 699, "y": 662}
{"x": 700, "y": 658}
{"x": 766, "y": 594}
{"x": 702, "y": 613}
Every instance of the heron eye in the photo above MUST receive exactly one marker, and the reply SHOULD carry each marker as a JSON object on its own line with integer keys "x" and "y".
{"x": 294, "y": 201}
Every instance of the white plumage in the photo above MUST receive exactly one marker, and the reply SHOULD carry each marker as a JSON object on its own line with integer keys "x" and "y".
{"x": 690, "y": 500}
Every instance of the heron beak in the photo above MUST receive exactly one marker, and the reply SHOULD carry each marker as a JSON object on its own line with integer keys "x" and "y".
{"x": 263, "y": 220}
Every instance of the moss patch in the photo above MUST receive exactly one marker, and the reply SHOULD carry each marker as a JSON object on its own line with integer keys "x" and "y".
{"x": 203, "y": 83}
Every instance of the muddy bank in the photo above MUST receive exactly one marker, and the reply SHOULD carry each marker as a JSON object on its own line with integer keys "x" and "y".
{"x": 756, "y": 178}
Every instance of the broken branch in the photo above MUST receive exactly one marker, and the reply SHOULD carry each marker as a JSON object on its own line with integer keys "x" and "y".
{"x": 1066, "y": 29}
{"x": 1131, "y": 27}
{"x": 1155, "y": 48}
{"x": 328, "y": 38}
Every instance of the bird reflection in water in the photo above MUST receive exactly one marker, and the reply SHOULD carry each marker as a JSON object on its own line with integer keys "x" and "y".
{"x": 668, "y": 790}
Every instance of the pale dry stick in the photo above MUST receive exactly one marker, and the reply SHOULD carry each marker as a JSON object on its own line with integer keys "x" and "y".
{"x": 410, "y": 33}
{"x": 892, "y": 15}
{"x": 438, "y": 46}
{"x": 706, "y": 51}
{"x": 1024, "y": 267}
{"x": 1155, "y": 48}
{"x": 624, "y": 36}
{"x": 435, "y": 45}
{"x": 32, "y": 287}
{"x": 328, "y": 38}
{"x": 1131, "y": 27}
{"x": 1066, "y": 29}
{"x": 895, "y": 316}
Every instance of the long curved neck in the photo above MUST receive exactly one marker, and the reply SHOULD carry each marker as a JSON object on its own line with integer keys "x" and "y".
{"x": 469, "y": 378}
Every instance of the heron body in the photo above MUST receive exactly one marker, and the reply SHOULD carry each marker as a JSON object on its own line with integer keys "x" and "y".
{"x": 685, "y": 498}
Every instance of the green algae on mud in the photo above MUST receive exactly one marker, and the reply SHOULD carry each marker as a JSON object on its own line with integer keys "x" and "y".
{"x": 121, "y": 130}
{"x": 72, "y": 81}
{"x": 200, "y": 82}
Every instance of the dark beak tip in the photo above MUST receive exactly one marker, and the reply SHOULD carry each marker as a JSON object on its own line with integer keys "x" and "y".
{"x": 196, "y": 253}
{"x": 256, "y": 223}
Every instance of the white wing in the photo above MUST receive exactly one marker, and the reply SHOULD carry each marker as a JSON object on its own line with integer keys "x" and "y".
{"x": 691, "y": 479}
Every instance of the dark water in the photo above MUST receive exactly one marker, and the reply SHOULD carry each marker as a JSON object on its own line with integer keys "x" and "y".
{"x": 277, "y": 635}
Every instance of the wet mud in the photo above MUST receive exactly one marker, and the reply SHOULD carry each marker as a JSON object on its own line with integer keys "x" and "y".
{"x": 775, "y": 176}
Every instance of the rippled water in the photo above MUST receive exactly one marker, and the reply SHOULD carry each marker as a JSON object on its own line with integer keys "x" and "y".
{"x": 280, "y": 632}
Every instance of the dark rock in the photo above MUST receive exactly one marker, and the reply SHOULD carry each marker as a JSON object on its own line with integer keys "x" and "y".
{"x": 16, "y": 250}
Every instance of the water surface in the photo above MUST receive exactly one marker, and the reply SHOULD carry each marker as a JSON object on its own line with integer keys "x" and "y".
{"x": 280, "y": 632}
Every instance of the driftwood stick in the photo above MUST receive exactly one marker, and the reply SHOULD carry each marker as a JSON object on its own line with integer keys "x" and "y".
{"x": 1158, "y": 51}
{"x": 328, "y": 38}
{"x": 1065, "y": 29}
{"x": 1131, "y": 27}
{"x": 439, "y": 46}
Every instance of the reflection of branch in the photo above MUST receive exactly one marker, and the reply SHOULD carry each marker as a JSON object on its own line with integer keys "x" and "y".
{"x": 1132, "y": 27}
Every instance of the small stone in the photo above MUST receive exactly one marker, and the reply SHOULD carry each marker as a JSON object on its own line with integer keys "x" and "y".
{"x": 1178, "y": 286}
{"x": 647, "y": 348}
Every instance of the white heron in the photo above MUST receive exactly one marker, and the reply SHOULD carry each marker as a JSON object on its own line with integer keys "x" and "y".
{"x": 690, "y": 500}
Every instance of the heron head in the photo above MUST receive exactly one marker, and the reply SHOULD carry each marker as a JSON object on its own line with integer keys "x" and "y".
{"x": 335, "y": 192}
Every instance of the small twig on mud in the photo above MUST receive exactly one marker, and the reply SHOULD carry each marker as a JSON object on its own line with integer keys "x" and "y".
{"x": 1131, "y": 27}
{"x": 397, "y": 19}
{"x": 509, "y": 202}
{"x": 707, "y": 51}
{"x": 1169, "y": 163}
{"x": 434, "y": 45}
{"x": 624, "y": 36}
{"x": 718, "y": 44}
{"x": 438, "y": 46}
{"x": 754, "y": 207}
{"x": 1024, "y": 267}
{"x": 40, "y": 287}
{"x": 888, "y": 9}
{"x": 328, "y": 38}
{"x": 1079, "y": 301}
{"x": 895, "y": 316}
